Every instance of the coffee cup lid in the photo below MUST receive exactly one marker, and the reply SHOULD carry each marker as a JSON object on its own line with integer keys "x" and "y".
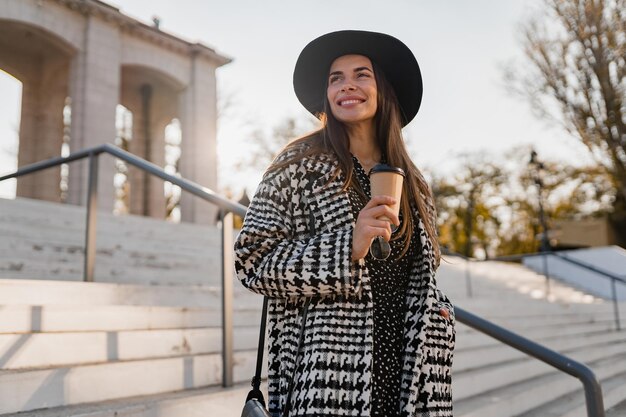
{"x": 386, "y": 168}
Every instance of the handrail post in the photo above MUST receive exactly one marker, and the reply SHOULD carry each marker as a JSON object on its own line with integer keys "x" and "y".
{"x": 615, "y": 305}
{"x": 468, "y": 278}
{"x": 92, "y": 213}
{"x": 593, "y": 393}
{"x": 227, "y": 298}
{"x": 544, "y": 257}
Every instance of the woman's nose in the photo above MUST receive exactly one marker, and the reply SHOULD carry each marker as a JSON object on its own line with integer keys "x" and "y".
{"x": 347, "y": 86}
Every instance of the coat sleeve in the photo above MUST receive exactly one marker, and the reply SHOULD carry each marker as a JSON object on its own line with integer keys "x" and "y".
{"x": 270, "y": 261}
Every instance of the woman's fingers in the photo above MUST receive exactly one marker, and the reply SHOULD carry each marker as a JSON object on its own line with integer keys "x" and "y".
{"x": 378, "y": 200}
{"x": 367, "y": 228}
{"x": 385, "y": 232}
{"x": 373, "y": 221}
{"x": 383, "y": 211}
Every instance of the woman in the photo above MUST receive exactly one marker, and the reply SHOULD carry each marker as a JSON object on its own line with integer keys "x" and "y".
{"x": 377, "y": 336}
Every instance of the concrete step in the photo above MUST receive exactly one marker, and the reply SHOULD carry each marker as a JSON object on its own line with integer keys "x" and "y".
{"x": 77, "y": 318}
{"x": 44, "y": 350}
{"x": 557, "y": 317}
{"x": 53, "y": 243}
{"x": 517, "y": 278}
{"x": 471, "y": 359}
{"x": 42, "y": 292}
{"x": 522, "y": 396}
{"x": 45, "y": 215}
{"x": 573, "y": 404}
{"x": 512, "y": 304}
{"x": 57, "y": 387}
{"x": 475, "y": 340}
{"x": 131, "y": 234}
{"x": 212, "y": 401}
{"x": 619, "y": 410}
{"x": 146, "y": 269}
{"x": 492, "y": 376}
{"x": 54, "y": 240}
{"x": 46, "y": 240}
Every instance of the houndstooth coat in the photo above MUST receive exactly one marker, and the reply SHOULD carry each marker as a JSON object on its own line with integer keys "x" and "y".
{"x": 276, "y": 256}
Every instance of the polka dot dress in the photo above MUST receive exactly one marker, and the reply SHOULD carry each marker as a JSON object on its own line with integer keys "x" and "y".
{"x": 389, "y": 285}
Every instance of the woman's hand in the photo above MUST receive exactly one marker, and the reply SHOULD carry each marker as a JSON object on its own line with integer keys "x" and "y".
{"x": 368, "y": 225}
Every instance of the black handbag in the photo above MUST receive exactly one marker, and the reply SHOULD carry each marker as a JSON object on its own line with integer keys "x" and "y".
{"x": 255, "y": 404}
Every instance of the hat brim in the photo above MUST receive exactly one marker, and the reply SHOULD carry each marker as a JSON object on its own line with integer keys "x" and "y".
{"x": 396, "y": 60}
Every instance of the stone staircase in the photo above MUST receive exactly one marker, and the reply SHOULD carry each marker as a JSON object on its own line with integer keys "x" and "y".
{"x": 491, "y": 379}
{"x": 68, "y": 343}
{"x": 147, "y": 342}
{"x": 45, "y": 241}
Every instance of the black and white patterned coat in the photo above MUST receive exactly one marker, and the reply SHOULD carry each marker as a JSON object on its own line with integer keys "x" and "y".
{"x": 276, "y": 256}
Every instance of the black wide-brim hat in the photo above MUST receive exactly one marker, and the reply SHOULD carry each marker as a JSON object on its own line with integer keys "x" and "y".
{"x": 310, "y": 77}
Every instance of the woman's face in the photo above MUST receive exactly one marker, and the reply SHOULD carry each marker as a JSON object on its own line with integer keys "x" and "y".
{"x": 352, "y": 91}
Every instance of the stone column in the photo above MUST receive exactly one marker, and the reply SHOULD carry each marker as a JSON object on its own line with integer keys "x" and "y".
{"x": 41, "y": 125}
{"x": 163, "y": 112}
{"x": 137, "y": 146}
{"x": 94, "y": 90}
{"x": 198, "y": 115}
{"x": 156, "y": 207}
{"x": 160, "y": 113}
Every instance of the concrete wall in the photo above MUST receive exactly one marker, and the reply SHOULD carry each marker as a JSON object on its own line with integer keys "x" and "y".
{"x": 611, "y": 259}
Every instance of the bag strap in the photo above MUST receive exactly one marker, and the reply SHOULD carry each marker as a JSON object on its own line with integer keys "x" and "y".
{"x": 255, "y": 392}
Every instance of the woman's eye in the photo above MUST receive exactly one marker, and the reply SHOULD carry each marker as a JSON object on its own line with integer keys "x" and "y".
{"x": 362, "y": 74}
{"x": 333, "y": 79}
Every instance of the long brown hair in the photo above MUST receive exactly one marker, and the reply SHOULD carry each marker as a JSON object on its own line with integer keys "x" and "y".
{"x": 332, "y": 139}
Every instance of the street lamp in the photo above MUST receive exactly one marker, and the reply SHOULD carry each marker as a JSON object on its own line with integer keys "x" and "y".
{"x": 537, "y": 169}
{"x": 537, "y": 173}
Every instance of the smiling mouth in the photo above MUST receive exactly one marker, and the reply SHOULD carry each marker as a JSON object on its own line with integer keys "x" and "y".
{"x": 349, "y": 102}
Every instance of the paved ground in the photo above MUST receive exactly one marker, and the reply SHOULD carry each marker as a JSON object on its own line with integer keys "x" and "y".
{"x": 230, "y": 403}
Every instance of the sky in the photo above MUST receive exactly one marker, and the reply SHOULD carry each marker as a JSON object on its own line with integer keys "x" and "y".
{"x": 461, "y": 46}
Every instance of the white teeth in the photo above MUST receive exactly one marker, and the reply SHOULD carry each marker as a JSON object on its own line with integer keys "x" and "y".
{"x": 349, "y": 102}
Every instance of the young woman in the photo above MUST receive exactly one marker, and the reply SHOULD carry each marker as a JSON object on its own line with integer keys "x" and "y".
{"x": 350, "y": 335}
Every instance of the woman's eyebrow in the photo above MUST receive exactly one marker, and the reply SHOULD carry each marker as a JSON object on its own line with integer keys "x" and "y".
{"x": 354, "y": 70}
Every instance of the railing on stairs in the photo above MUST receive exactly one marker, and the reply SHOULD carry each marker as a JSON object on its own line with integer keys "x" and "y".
{"x": 593, "y": 391}
{"x": 227, "y": 209}
{"x": 615, "y": 279}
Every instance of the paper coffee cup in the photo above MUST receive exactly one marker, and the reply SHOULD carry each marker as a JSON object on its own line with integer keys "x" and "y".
{"x": 387, "y": 180}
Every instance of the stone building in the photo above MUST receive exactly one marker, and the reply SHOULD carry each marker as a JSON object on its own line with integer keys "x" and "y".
{"x": 89, "y": 56}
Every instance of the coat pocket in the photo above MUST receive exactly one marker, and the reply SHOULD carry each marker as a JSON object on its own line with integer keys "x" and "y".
{"x": 445, "y": 317}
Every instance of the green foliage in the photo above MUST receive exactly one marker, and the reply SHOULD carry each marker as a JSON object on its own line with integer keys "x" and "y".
{"x": 491, "y": 208}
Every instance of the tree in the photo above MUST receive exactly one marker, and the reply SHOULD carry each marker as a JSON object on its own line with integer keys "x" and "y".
{"x": 576, "y": 50}
{"x": 492, "y": 203}
{"x": 465, "y": 206}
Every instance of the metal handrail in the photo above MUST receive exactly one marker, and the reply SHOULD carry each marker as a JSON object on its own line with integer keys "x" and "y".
{"x": 226, "y": 207}
{"x": 190, "y": 186}
{"x": 593, "y": 391}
